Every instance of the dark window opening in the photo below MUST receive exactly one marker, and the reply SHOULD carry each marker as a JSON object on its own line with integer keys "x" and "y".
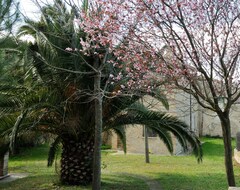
{"x": 150, "y": 133}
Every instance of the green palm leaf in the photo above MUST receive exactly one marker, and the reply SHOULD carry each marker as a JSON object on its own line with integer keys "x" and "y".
{"x": 53, "y": 150}
{"x": 159, "y": 122}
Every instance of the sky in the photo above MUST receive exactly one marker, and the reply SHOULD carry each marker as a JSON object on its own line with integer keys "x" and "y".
{"x": 29, "y": 8}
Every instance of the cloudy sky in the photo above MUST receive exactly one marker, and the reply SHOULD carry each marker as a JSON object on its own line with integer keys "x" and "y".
{"x": 29, "y": 8}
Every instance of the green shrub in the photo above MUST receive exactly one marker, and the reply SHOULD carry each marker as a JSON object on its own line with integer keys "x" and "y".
{"x": 106, "y": 147}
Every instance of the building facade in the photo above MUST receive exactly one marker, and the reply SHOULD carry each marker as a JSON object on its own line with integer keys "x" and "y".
{"x": 201, "y": 121}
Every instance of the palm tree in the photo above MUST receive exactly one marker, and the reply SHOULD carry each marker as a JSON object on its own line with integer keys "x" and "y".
{"x": 8, "y": 101}
{"x": 64, "y": 87}
{"x": 17, "y": 89}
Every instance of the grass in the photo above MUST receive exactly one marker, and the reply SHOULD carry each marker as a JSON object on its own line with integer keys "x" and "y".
{"x": 120, "y": 171}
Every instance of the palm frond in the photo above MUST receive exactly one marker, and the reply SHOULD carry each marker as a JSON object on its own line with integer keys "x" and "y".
{"x": 160, "y": 123}
{"x": 114, "y": 106}
{"x": 164, "y": 135}
{"x": 53, "y": 151}
{"x": 15, "y": 130}
{"x": 9, "y": 103}
{"x": 157, "y": 94}
{"x": 121, "y": 133}
{"x": 6, "y": 122}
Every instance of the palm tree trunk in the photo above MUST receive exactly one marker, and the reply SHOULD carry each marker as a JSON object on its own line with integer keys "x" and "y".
{"x": 76, "y": 162}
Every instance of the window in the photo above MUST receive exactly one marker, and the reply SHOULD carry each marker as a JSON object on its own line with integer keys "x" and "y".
{"x": 150, "y": 132}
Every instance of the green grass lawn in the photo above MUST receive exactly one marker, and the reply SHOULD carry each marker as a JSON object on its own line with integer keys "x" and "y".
{"x": 120, "y": 171}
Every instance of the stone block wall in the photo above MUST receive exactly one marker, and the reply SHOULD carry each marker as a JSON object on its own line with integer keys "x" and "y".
{"x": 136, "y": 142}
{"x": 212, "y": 124}
{"x": 4, "y": 164}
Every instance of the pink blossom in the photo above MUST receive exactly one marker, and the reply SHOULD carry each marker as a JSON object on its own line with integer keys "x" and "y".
{"x": 69, "y": 49}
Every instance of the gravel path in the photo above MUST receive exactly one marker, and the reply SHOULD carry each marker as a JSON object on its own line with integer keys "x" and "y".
{"x": 13, "y": 177}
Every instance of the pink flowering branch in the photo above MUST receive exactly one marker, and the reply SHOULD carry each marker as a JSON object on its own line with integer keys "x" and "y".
{"x": 203, "y": 41}
{"x": 113, "y": 27}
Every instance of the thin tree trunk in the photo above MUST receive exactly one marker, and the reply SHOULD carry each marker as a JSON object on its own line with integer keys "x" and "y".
{"x": 146, "y": 145}
{"x": 96, "y": 185}
{"x": 226, "y": 128}
{"x": 147, "y": 160}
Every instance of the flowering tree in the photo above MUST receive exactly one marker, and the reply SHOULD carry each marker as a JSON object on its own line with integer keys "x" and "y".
{"x": 203, "y": 44}
{"x": 101, "y": 74}
{"x": 193, "y": 44}
{"x": 114, "y": 38}
{"x": 110, "y": 34}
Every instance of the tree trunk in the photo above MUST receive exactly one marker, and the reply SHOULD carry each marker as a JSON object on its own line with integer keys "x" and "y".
{"x": 76, "y": 162}
{"x": 226, "y": 129}
{"x": 147, "y": 160}
{"x": 96, "y": 185}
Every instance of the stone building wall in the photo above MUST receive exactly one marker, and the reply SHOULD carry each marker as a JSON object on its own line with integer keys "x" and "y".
{"x": 202, "y": 121}
{"x": 178, "y": 106}
{"x": 136, "y": 142}
{"x": 212, "y": 124}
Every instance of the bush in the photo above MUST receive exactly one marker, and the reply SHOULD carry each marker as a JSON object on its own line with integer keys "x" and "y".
{"x": 106, "y": 147}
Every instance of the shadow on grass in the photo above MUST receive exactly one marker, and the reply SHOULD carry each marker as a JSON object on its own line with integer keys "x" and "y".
{"x": 123, "y": 182}
{"x": 32, "y": 153}
{"x": 213, "y": 147}
{"x": 201, "y": 181}
{"x": 51, "y": 182}
{"x": 41, "y": 182}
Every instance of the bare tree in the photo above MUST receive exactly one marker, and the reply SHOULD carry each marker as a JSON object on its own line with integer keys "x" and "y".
{"x": 204, "y": 44}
